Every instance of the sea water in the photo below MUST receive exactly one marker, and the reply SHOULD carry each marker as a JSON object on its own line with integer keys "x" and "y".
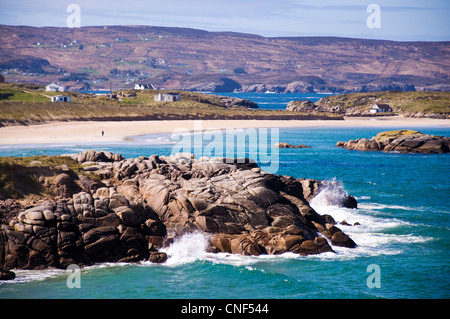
{"x": 275, "y": 101}
{"x": 403, "y": 216}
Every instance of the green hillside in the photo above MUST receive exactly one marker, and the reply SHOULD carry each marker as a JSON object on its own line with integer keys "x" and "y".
{"x": 401, "y": 102}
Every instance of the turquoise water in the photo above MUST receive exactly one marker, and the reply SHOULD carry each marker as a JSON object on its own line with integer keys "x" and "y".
{"x": 403, "y": 211}
{"x": 275, "y": 101}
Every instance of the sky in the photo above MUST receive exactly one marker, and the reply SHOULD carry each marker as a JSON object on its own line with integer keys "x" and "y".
{"x": 399, "y": 20}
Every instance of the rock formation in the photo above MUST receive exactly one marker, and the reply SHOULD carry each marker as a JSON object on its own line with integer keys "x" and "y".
{"x": 287, "y": 145}
{"x": 307, "y": 106}
{"x": 111, "y": 209}
{"x": 234, "y": 102}
{"x": 402, "y": 141}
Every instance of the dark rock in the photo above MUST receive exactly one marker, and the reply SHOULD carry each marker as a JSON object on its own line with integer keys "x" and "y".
{"x": 350, "y": 202}
{"x": 341, "y": 239}
{"x": 287, "y": 145}
{"x": 7, "y": 275}
{"x": 157, "y": 257}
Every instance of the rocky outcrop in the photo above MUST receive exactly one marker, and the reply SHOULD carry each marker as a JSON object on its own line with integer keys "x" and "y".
{"x": 427, "y": 115}
{"x": 126, "y": 210}
{"x": 287, "y": 145}
{"x": 402, "y": 141}
{"x": 293, "y": 87}
{"x": 234, "y": 102}
{"x": 307, "y": 106}
{"x": 301, "y": 106}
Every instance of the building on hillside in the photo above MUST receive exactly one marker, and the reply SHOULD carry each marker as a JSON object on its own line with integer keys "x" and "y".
{"x": 140, "y": 86}
{"x": 55, "y": 87}
{"x": 167, "y": 97}
{"x": 61, "y": 98}
{"x": 2, "y": 78}
{"x": 381, "y": 108}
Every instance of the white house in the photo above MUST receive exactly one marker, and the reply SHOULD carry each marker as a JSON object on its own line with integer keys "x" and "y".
{"x": 61, "y": 98}
{"x": 167, "y": 97}
{"x": 54, "y": 87}
{"x": 380, "y": 108}
{"x": 140, "y": 86}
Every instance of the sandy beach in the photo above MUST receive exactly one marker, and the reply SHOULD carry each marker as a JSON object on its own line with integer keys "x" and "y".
{"x": 91, "y": 131}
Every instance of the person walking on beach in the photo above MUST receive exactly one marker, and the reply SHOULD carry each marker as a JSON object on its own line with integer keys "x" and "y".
{"x": 103, "y": 133}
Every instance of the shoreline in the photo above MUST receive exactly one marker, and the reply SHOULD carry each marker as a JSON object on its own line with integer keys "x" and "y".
{"x": 118, "y": 131}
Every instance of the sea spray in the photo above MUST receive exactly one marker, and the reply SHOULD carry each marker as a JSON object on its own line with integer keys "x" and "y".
{"x": 331, "y": 193}
{"x": 188, "y": 248}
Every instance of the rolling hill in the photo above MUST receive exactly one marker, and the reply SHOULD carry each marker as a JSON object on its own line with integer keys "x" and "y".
{"x": 189, "y": 59}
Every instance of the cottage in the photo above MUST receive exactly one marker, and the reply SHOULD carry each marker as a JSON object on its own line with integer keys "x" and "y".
{"x": 2, "y": 78}
{"x": 54, "y": 87}
{"x": 61, "y": 98}
{"x": 167, "y": 97}
{"x": 380, "y": 108}
{"x": 139, "y": 86}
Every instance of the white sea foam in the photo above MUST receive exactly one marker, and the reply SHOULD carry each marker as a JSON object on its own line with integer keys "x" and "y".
{"x": 373, "y": 235}
{"x": 34, "y": 275}
{"x": 377, "y": 206}
{"x": 159, "y": 140}
{"x": 187, "y": 248}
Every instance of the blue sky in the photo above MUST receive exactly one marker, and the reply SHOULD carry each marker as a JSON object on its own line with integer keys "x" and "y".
{"x": 401, "y": 20}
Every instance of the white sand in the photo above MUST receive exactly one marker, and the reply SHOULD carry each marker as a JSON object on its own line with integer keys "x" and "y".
{"x": 91, "y": 131}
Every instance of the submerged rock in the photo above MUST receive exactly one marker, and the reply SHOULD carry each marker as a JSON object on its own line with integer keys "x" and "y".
{"x": 287, "y": 145}
{"x": 402, "y": 141}
{"x": 7, "y": 275}
{"x": 134, "y": 206}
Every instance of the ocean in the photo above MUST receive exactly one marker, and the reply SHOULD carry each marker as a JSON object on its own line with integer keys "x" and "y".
{"x": 402, "y": 240}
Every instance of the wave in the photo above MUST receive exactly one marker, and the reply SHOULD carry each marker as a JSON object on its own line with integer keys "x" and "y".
{"x": 373, "y": 235}
{"x": 331, "y": 194}
{"x": 23, "y": 276}
{"x": 187, "y": 248}
{"x": 377, "y": 206}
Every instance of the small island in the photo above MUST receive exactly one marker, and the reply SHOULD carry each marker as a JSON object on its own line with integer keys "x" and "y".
{"x": 401, "y": 141}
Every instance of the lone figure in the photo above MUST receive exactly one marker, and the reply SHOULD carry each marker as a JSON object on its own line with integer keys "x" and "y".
{"x": 103, "y": 133}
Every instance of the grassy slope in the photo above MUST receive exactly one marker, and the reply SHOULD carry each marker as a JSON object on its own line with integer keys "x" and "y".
{"x": 25, "y": 104}
{"x": 411, "y": 102}
{"x": 18, "y": 175}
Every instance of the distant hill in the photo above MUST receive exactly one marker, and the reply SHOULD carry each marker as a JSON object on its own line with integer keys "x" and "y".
{"x": 189, "y": 59}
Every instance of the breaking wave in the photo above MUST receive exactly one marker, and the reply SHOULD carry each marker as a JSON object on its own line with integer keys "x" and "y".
{"x": 188, "y": 248}
{"x": 372, "y": 234}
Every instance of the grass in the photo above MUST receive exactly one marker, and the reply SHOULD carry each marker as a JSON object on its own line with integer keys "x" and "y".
{"x": 28, "y": 105}
{"x": 411, "y": 102}
{"x": 19, "y": 175}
